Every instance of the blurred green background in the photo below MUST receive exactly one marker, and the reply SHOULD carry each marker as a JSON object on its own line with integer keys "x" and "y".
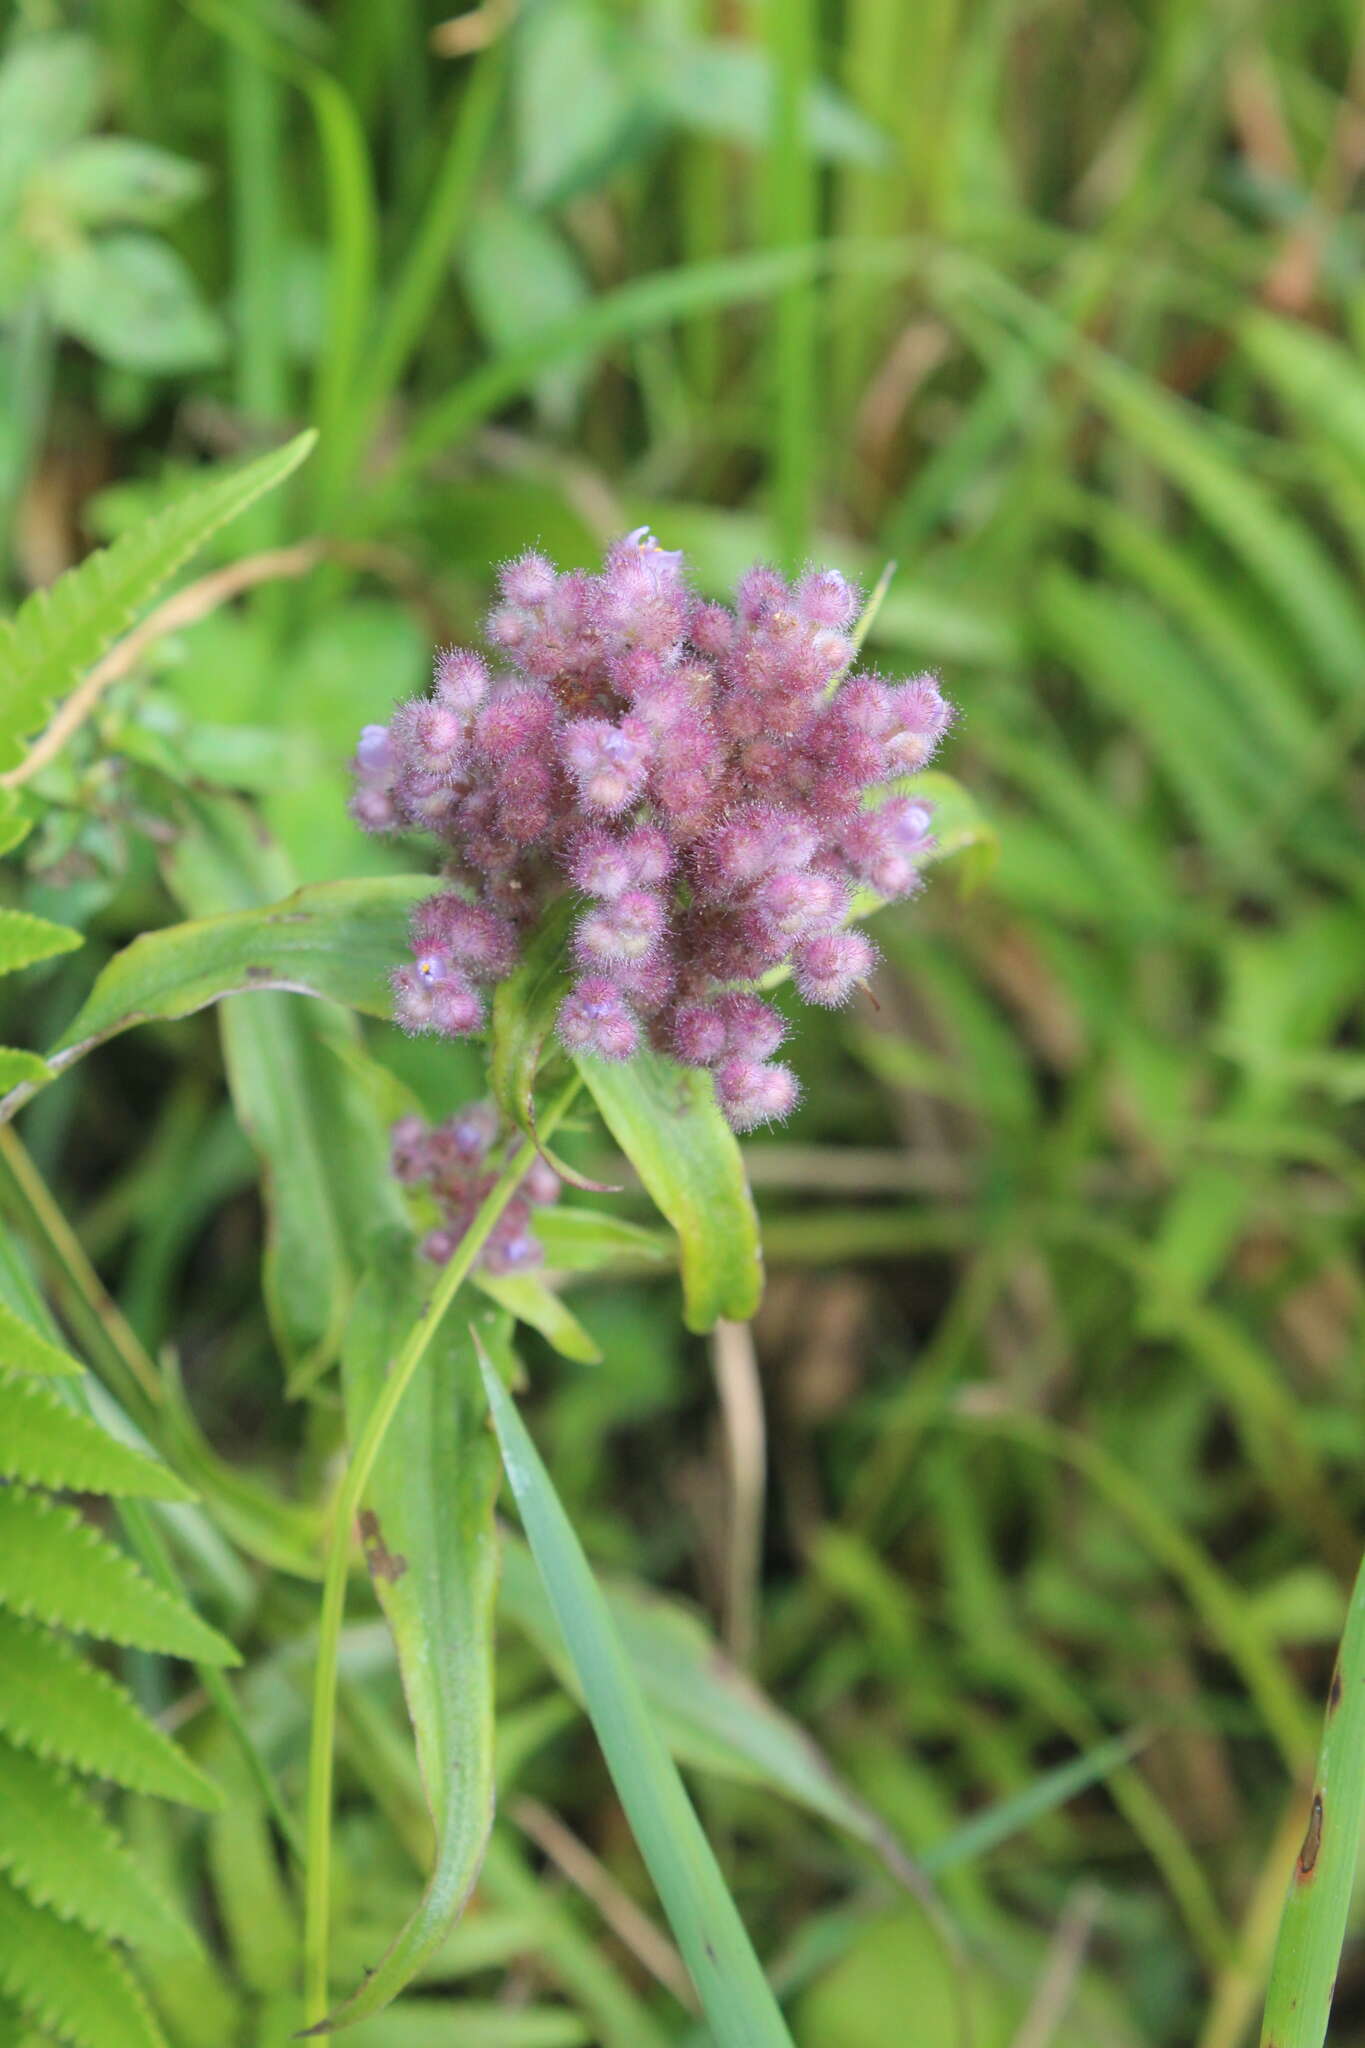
{"x": 1059, "y": 305}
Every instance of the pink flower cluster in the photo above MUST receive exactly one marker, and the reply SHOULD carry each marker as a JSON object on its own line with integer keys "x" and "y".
{"x": 704, "y": 780}
{"x": 459, "y": 1163}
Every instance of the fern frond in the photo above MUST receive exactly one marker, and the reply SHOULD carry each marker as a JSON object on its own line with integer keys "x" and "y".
{"x": 57, "y": 1568}
{"x": 57, "y": 1848}
{"x": 57, "y": 633}
{"x": 73, "y": 1984}
{"x": 25, "y": 939}
{"x": 53, "y": 1703}
{"x": 22, "y": 1349}
{"x": 46, "y": 1442}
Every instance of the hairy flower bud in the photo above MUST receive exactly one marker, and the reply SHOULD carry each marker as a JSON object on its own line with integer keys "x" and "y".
{"x": 627, "y": 927}
{"x": 461, "y": 679}
{"x": 608, "y": 762}
{"x": 827, "y": 969}
{"x": 753, "y": 1092}
{"x": 595, "y": 1018}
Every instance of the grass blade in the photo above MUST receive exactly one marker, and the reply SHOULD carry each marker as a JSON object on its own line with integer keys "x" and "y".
{"x": 1303, "y": 1974}
{"x": 739, "y": 2005}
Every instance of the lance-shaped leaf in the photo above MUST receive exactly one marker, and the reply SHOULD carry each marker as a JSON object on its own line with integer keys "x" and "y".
{"x": 291, "y": 1068}
{"x": 735, "y": 1996}
{"x": 332, "y": 939}
{"x": 1308, "y": 1952}
{"x": 664, "y": 1118}
{"x": 428, "y": 1534}
{"x": 25, "y": 940}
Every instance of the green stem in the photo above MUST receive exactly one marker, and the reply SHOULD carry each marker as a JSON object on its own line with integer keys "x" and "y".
{"x": 317, "y": 1895}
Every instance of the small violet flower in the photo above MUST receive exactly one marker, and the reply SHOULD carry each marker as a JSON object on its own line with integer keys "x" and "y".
{"x": 710, "y": 783}
{"x": 459, "y": 1162}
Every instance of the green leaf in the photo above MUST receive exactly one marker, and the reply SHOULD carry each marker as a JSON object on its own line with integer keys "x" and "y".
{"x": 22, "y": 1070}
{"x": 664, "y": 1118}
{"x": 22, "y": 1349}
{"x": 1308, "y": 1950}
{"x": 25, "y": 939}
{"x": 69, "y": 1980}
{"x": 582, "y": 1240}
{"x": 524, "y": 1011}
{"x": 310, "y": 1118}
{"x": 521, "y": 276}
{"x": 57, "y": 633}
{"x": 55, "y": 1704}
{"x": 113, "y": 178}
{"x": 429, "y": 1539}
{"x": 58, "y": 1568}
{"x": 735, "y": 1996}
{"x": 61, "y": 1853}
{"x": 709, "y": 1714}
{"x": 49, "y": 94}
{"x": 333, "y": 939}
{"x": 962, "y": 832}
{"x": 525, "y": 1296}
{"x": 131, "y": 299}
{"x": 44, "y": 1441}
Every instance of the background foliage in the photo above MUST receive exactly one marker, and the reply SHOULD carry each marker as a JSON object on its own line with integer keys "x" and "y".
{"x": 1059, "y": 303}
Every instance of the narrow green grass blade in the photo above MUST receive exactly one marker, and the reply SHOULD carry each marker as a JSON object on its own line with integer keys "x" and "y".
{"x": 1304, "y": 1972}
{"x": 738, "y": 2003}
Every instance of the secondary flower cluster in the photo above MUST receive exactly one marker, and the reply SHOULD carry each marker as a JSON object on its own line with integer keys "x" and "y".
{"x": 704, "y": 780}
{"x": 459, "y": 1162}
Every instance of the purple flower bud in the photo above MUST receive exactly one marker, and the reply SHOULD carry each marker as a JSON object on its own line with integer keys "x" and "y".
{"x": 628, "y": 927}
{"x": 461, "y": 679}
{"x": 600, "y": 864}
{"x": 711, "y": 630}
{"x": 409, "y": 1150}
{"x": 541, "y": 1184}
{"x": 753, "y": 1092}
{"x": 440, "y": 1246}
{"x": 374, "y": 810}
{"x": 920, "y": 717}
{"x": 374, "y": 752}
{"x": 825, "y": 598}
{"x": 752, "y": 1027}
{"x": 515, "y": 722}
{"x": 608, "y": 762}
{"x": 882, "y": 847}
{"x": 430, "y": 735}
{"x": 827, "y": 969}
{"x": 471, "y": 935}
{"x": 798, "y": 901}
{"x": 470, "y": 1132}
{"x": 698, "y": 1035}
{"x": 456, "y": 1007}
{"x": 760, "y": 590}
{"x": 646, "y": 984}
{"x": 755, "y": 840}
{"x": 595, "y": 1018}
{"x": 517, "y": 1252}
{"x": 528, "y": 581}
